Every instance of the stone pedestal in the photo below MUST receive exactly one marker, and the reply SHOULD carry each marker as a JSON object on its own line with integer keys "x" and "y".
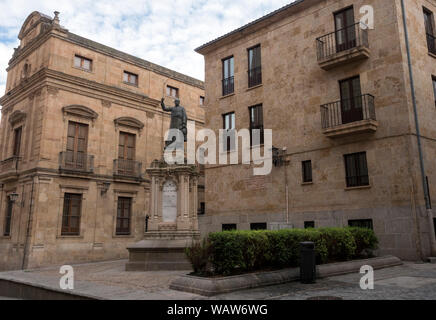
{"x": 173, "y": 221}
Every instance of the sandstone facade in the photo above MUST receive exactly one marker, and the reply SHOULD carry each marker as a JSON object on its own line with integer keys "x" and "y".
{"x": 45, "y": 92}
{"x": 296, "y": 81}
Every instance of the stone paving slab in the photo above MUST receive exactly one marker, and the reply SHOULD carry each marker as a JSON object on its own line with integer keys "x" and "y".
{"x": 109, "y": 280}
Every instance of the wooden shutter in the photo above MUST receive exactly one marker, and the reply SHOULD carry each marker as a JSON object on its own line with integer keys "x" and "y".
{"x": 17, "y": 141}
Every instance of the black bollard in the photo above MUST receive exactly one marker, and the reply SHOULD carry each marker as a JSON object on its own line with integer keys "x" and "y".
{"x": 308, "y": 263}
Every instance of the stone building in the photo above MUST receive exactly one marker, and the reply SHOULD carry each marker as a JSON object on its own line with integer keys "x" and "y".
{"x": 337, "y": 97}
{"x": 80, "y": 124}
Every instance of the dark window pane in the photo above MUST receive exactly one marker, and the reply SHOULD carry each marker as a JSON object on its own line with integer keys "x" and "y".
{"x": 71, "y": 214}
{"x": 362, "y": 223}
{"x": 254, "y": 66}
{"x": 307, "y": 171}
{"x": 229, "y": 227}
{"x": 256, "y": 123}
{"x": 123, "y": 216}
{"x": 309, "y": 224}
{"x": 17, "y": 141}
{"x": 258, "y": 226}
{"x": 8, "y": 218}
{"x": 228, "y": 76}
{"x": 356, "y": 170}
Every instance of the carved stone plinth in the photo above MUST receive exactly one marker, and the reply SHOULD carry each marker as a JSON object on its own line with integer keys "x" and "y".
{"x": 173, "y": 221}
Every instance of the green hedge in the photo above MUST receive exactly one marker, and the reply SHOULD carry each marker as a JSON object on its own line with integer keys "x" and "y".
{"x": 233, "y": 252}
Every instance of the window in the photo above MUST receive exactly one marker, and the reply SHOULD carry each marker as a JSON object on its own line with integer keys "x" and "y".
{"x": 229, "y": 127}
{"x": 124, "y": 212}
{"x": 345, "y": 30}
{"x": 228, "y": 76}
{"x": 126, "y": 153}
{"x": 71, "y": 214}
{"x": 256, "y": 123}
{"x": 130, "y": 78}
{"x": 17, "y": 141}
{"x": 254, "y": 66}
{"x": 201, "y": 101}
{"x": 356, "y": 170}
{"x": 202, "y": 209}
{"x": 258, "y": 226}
{"x": 429, "y": 30}
{"x": 307, "y": 171}
{"x": 229, "y": 227}
{"x": 77, "y": 143}
{"x": 351, "y": 100}
{"x": 428, "y": 191}
{"x": 434, "y": 222}
{"x": 8, "y": 218}
{"x": 434, "y": 89}
{"x": 363, "y": 223}
{"x": 309, "y": 225}
{"x": 172, "y": 92}
{"x": 82, "y": 63}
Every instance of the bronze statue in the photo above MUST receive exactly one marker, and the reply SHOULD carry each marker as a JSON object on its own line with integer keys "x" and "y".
{"x": 178, "y": 119}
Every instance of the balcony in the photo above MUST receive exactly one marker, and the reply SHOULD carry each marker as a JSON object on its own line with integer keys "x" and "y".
{"x": 228, "y": 86}
{"x": 127, "y": 168}
{"x": 347, "y": 117}
{"x": 431, "y": 44}
{"x": 343, "y": 46}
{"x": 254, "y": 77}
{"x": 9, "y": 168}
{"x": 76, "y": 162}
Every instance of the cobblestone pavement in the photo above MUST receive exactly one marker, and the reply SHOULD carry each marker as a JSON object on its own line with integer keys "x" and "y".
{"x": 108, "y": 280}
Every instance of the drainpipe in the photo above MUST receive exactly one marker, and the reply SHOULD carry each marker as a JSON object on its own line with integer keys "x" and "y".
{"x": 429, "y": 211}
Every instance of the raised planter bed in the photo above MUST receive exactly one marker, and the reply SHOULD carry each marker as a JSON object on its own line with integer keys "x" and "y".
{"x": 214, "y": 286}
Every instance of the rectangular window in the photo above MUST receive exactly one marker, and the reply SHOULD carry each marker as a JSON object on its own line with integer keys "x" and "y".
{"x": 434, "y": 89}
{"x": 17, "y": 141}
{"x": 124, "y": 212}
{"x": 202, "y": 209}
{"x": 434, "y": 222}
{"x": 254, "y": 66}
{"x": 309, "y": 225}
{"x": 130, "y": 78}
{"x": 356, "y": 169}
{"x": 229, "y": 131}
{"x": 71, "y": 214}
{"x": 258, "y": 226}
{"x": 256, "y": 123}
{"x": 77, "y": 145}
{"x": 8, "y": 218}
{"x": 428, "y": 191}
{"x": 201, "y": 101}
{"x": 228, "y": 76}
{"x": 82, "y": 63}
{"x": 126, "y": 153}
{"x": 351, "y": 100}
{"x": 172, "y": 92}
{"x": 362, "y": 223}
{"x": 229, "y": 227}
{"x": 429, "y": 30}
{"x": 307, "y": 171}
{"x": 345, "y": 30}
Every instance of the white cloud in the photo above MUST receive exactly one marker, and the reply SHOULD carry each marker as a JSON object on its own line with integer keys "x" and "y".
{"x": 165, "y": 32}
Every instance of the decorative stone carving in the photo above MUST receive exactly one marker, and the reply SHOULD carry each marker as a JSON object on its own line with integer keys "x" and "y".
{"x": 80, "y": 111}
{"x": 16, "y": 117}
{"x": 106, "y": 103}
{"x": 129, "y": 122}
{"x": 169, "y": 201}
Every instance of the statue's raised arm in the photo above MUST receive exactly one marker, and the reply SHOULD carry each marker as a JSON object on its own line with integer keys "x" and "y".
{"x": 164, "y": 107}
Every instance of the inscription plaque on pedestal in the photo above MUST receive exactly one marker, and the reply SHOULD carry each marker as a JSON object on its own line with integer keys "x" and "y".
{"x": 169, "y": 202}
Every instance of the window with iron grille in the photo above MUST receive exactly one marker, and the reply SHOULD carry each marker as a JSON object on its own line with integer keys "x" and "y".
{"x": 228, "y": 76}
{"x": 309, "y": 225}
{"x": 254, "y": 66}
{"x": 17, "y": 141}
{"x": 172, "y": 92}
{"x": 229, "y": 227}
{"x": 256, "y": 123}
{"x": 362, "y": 223}
{"x": 307, "y": 171}
{"x": 130, "y": 78}
{"x": 356, "y": 170}
{"x": 82, "y": 63}
{"x": 124, "y": 212}
{"x": 258, "y": 226}
{"x": 434, "y": 88}
{"x": 229, "y": 131}
{"x": 202, "y": 209}
{"x": 429, "y": 30}
{"x": 8, "y": 218}
{"x": 72, "y": 214}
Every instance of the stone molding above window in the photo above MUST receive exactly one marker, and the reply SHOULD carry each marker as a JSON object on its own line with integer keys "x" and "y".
{"x": 129, "y": 122}
{"x": 80, "y": 112}
{"x": 17, "y": 117}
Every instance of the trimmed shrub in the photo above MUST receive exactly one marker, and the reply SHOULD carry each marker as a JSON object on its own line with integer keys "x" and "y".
{"x": 198, "y": 254}
{"x": 340, "y": 242}
{"x": 366, "y": 240}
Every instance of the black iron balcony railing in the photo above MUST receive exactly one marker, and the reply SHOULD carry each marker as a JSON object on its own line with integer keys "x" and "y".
{"x": 431, "y": 43}
{"x": 347, "y": 111}
{"x": 228, "y": 86}
{"x": 76, "y": 161}
{"x": 128, "y": 168}
{"x": 254, "y": 77}
{"x": 347, "y": 38}
{"x": 10, "y": 165}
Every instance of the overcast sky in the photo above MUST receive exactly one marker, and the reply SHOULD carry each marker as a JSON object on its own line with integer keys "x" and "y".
{"x": 165, "y": 32}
